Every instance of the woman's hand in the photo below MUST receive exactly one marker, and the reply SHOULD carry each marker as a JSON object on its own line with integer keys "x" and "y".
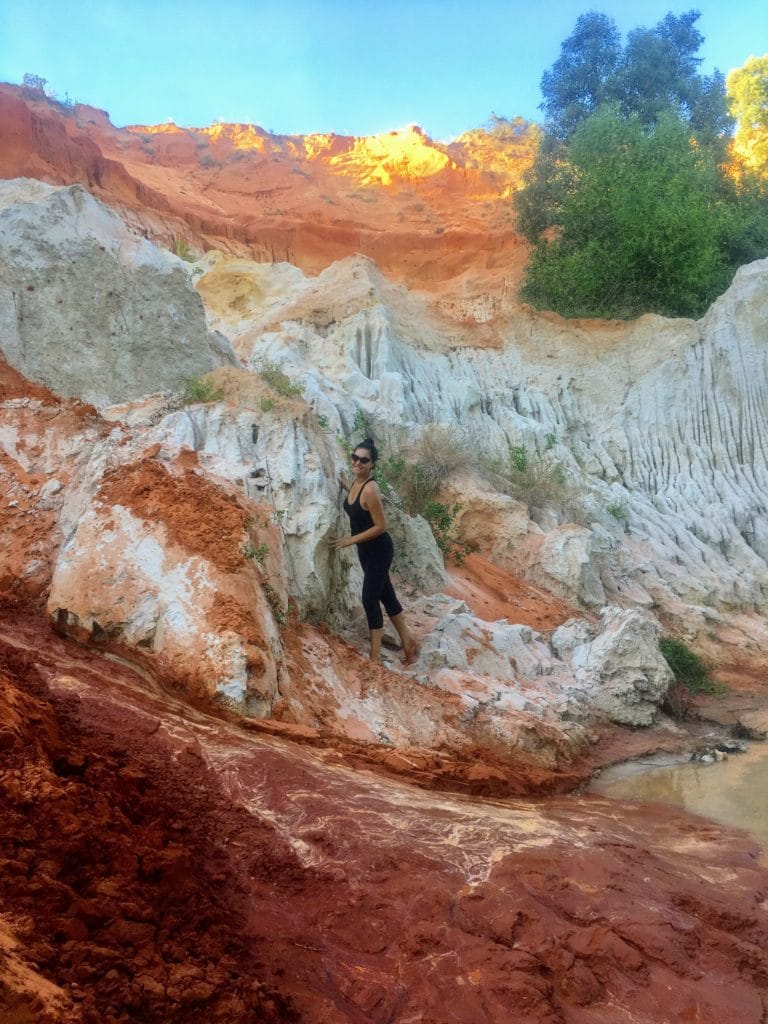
{"x": 341, "y": 542}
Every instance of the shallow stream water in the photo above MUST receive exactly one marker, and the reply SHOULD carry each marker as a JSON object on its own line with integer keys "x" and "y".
{"x": 733, "y": 792}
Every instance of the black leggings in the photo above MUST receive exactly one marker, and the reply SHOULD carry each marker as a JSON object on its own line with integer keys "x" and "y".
{"x": 376, "y": 557}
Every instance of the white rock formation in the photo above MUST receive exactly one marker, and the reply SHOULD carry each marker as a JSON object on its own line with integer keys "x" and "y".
{"x": 659, "y": 427}
{"x": 298, "y": 467}
{"x": 89, "y": 308}
{"x": 618, "y": 664}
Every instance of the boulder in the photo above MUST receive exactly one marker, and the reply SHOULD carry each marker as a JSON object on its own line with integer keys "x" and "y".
{"x": 622, "y": 669}
{"x": 91, "y": 309}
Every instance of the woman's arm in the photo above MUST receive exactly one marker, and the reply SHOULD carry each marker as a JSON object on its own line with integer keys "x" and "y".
{"x": 371, "y": 502}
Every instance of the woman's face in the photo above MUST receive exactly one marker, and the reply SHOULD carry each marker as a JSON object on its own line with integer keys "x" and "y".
{"x": 362, "y": 464}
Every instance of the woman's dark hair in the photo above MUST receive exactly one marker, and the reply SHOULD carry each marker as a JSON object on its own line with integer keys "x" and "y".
{"x": 369, "y": 446}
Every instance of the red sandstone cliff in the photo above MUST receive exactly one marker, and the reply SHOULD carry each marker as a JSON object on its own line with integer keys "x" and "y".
{"x": 427, "y": 213}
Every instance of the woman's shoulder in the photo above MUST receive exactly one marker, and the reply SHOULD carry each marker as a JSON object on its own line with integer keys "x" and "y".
{"x": 370, "y": 487}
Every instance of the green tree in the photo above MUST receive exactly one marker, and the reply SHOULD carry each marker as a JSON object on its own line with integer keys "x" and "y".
{"x": 629, "y": 202}
{"x": 641, "y": 223}
{"x": 578, "y": 81}
{"x": 747, "y": 88}
{"x": 657, "y": 70}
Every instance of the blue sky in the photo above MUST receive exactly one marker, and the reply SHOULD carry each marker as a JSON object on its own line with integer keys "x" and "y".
{"x": 350, "y": 66}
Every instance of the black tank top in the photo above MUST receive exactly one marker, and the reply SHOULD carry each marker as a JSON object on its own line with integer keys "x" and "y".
{"x": 360, "y": 518}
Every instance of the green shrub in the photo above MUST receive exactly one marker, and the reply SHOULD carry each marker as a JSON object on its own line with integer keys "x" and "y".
{"x": 279, "y": 381}
{"x": 361, "y": 424}
{"x": 196, "y": 389}
{"x": 687, "y": 667}
{"x": 691, "y": 677}
{"x": 412, "y": 487}
{"x": 256, "y": 553}
{"x": 442, "y": 522}
{"x": 617, "y": 509}
{"x": 181, "y": 249}
{"x": 518, "y": 458}
{"x": 537, "y": 480}
{"x": 267, "y": 404}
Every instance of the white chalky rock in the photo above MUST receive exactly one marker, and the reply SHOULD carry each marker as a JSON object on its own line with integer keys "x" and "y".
{"x": 664, "y": 437}
{"x": 91, "y": 309}
{"x": 566, "y": 563}
{"x": 621, "y": 669}
{"x": 299, "y": 467}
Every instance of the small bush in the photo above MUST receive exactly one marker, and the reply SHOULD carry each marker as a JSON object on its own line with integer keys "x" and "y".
{"x": 688, "y": 668}
{"x": 361, "y": 424}
{"x": 412, "y": 486}
{"x": 692, "y": 676}
{"x": 537, "y": 480}
{"x": 518, "y": 458}
{"x": 33, "y": 86}
{"x": 442, "y": 522}
{"x": 440, "y": 451}
{"x": 256, "y": 553}
{"x": 196, "y": 389}
{"x": 617, "y": 509}
{"x": 181, "y": 249}
{"x": 280, "y": 381}
{"x": 267, "y": 404}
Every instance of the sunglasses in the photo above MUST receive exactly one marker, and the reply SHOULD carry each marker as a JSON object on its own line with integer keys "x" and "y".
{"x": 362, "y": 459}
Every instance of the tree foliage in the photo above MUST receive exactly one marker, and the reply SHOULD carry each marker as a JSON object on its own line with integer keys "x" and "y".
{"x": 640, "y": 223}
{"x": 578, "y": 82}
{"x": 628, "y": 203}
{"x": 748, "y": 96}
{"x": 654, "y": 72}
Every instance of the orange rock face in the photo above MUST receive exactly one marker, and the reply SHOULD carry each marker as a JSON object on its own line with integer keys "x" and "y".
{"x": 426, "y": 212}
{"x": 495, "y": 593}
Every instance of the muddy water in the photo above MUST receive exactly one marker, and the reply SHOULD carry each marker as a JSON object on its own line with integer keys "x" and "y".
{"x": 732, "y": 792}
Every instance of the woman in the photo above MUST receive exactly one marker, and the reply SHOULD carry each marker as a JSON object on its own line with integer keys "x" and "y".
{"x": 375, "y": 551}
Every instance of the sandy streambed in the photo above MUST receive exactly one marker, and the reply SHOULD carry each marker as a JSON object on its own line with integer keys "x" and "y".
{"x": 185, "y": 866}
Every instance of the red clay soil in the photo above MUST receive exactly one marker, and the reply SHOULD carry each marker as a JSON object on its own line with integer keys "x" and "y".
{"x": 197, "y": 515}
{"x": 160, "y": 864}
{"x": 110, "y": 874}
{"x": 427, "y": 213}
{"x": 495, "y": 593}
{"x": 28, "y": 525}
{"x": 13, "y": 385}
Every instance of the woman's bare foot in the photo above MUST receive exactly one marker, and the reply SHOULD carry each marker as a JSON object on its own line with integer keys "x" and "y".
{"x": 411, "y": 653}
